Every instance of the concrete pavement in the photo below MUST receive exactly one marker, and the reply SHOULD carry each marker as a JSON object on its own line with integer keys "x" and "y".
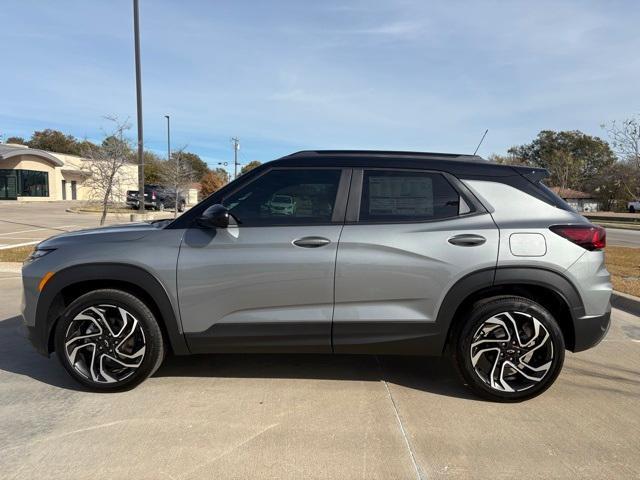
{"x": 309, "y": 416}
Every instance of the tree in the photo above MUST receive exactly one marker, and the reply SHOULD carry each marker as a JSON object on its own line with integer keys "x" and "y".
{"x": 250, "y": 166}
{"x": 574, "y": 159}
{"x": 509, "y": 159}
{"x": 16, "y": 140}
{"x": 104, "y": 168}
{"x": 54, "y": 141}
{"x": 176, "y": 175}
{"x": 212, "y": 182}
{"x": 625, "y": 139}
{"x": 616, "y": 184}
{"x": 223, "y": 174}
{"x": 153, "y": 165}
{"x": 197, "y": 165}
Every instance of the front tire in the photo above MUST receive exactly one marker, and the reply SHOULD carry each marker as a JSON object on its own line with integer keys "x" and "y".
{"x": 510, "y": 349}
{"x": 109, "y": 340}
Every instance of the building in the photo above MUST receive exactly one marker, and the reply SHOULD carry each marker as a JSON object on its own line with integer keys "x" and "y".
{"x": 28, "y": 174}
{"x": 579, "y": 201}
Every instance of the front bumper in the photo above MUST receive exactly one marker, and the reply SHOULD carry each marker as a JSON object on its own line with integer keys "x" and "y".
{"x": 590, "y": 330}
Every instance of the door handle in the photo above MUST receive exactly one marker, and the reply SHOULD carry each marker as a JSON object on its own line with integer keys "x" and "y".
{"x": 311, "y": 242}
{"x": 467, "y": 240}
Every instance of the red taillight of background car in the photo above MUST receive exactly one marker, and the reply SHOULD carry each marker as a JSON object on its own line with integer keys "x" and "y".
{"x": 153, "y": 195}
{"x": 590, "y": 237}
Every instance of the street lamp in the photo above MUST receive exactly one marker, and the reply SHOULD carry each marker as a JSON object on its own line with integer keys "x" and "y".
{"x": 168, "y": 136}
{"x": 136, "y": 37}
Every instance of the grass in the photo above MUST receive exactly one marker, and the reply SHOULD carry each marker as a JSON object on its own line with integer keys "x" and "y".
{"x": 622, "y": 262}
{"x": 17, "y": 254}
{"x": 624, "y": 265}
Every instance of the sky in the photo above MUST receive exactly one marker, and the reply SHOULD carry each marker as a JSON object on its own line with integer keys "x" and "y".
{"x": 285, "y": 76}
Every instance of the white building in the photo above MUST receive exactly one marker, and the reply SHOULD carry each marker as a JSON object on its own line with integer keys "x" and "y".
{"x": 28, "y": 174}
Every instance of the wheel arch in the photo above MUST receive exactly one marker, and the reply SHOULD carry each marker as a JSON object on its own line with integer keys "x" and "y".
{"x": 549, "y": 288}
{"x": 71, "y": 282}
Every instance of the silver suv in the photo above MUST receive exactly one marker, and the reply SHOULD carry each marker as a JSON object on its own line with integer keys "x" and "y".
{"x": 385, "y": 253}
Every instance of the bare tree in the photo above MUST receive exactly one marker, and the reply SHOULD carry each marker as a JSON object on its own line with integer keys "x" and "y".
{"x": 104, "y": 166}
{"x": 176, "y": 175}
{"x": 625, "y": 139}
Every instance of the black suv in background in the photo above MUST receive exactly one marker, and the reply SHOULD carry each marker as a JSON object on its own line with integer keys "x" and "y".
{"x": 156, "y": 197}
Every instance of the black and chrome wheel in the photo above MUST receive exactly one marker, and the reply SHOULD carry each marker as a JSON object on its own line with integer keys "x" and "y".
{"x": 510, "y": 349}
{"x": 109, "y": 340}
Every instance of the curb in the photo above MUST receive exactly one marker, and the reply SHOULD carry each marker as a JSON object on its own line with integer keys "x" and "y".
{"x": 625, "y": 302}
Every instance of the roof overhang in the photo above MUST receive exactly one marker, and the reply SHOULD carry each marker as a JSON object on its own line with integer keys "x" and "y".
{"x": 5, "y": 155}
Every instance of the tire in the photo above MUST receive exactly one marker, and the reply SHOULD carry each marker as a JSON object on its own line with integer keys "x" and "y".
{"x": 181, "y": 207}
{"x": 488, "y": 338}
{"x": 632, "y": 209}
{"x": 106, "y": 362}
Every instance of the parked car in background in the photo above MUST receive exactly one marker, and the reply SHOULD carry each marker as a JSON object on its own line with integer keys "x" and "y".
{"x": 633, "y": 206}
{"x": 389, "y": 253}
{"x": 156, "y": 197}
{"x": 282, "y": 205}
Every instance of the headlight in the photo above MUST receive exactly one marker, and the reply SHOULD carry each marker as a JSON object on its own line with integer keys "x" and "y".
{"x": 38, "y": 253}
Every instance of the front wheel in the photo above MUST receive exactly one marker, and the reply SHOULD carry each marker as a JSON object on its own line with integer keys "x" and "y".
{"x": 108, "y": 340}
{"x": 510, "y": 349}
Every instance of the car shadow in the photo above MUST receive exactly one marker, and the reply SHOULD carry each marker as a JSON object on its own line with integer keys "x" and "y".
{"x": 434, "y": 375}
{"x": 428, "y": 374}
{"x": 18, "y": 356}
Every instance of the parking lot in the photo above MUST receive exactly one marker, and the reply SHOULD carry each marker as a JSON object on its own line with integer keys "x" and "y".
{"x": 24, "y": 223}
{"x": 297, "y": 416}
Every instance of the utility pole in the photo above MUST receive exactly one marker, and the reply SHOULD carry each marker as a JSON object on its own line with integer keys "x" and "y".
{"x": 136, "y": 35}
{"x": 236, "y": 147}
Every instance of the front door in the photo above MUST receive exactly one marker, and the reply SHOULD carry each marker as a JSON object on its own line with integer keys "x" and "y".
{"x": 266, "y": 283}
{"x": 409, "y": 236}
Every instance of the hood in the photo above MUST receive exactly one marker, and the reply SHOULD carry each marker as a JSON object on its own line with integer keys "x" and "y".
{"x": 113, "y": 233}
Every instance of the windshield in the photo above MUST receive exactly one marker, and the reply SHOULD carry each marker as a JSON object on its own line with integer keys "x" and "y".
{"x": 282, "y": 199}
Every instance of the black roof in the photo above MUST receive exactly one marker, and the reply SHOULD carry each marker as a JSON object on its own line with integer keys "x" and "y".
{"x": 458, "y": 164}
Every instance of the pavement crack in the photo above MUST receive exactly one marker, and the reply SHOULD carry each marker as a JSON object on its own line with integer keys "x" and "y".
{"x": 419, "y": 474}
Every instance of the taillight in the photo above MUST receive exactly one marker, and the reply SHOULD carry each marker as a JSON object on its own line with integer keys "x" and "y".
{"x": 153, "y": 195}
{"x": 590, "y": 237}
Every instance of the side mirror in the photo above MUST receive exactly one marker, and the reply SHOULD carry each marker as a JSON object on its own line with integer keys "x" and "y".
{"x": 216, "y": 216}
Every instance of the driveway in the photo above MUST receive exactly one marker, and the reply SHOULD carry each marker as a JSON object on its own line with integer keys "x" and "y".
{"x": 309, "y": 416}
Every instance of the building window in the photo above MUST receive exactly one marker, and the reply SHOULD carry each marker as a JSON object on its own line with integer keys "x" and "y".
{"x": 33, "y": 184}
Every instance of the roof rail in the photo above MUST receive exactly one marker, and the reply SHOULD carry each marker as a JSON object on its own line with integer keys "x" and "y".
{"x": 390, "y": 153}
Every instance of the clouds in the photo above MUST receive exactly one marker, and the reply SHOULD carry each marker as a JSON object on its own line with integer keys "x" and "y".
{"x": 291, "y": 75}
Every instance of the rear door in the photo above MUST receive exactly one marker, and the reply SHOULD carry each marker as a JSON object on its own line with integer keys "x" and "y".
{"x": 266, "y": 284}
{"x": 409, "y": 236}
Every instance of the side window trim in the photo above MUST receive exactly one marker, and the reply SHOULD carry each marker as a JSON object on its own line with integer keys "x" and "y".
{"x": 356, "y": 190}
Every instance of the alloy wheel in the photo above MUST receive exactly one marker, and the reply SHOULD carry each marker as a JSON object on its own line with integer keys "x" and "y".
{"x": 511, "y": 351}
{"x": 105, "y": 343}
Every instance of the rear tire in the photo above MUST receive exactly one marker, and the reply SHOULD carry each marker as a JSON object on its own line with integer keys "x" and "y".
{"x": 108, "y": 340}
{"x": 510, "y": 349}
{"x": 632, "y": 209}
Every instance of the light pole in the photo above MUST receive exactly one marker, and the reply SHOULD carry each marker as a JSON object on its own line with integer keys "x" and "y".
{"x": 168, "y": 137}
{"x": 236, "y": 147}
{"x": 136, "y": 35}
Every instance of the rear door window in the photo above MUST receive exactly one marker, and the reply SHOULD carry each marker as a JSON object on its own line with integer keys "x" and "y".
{"x": 405, "y": 196}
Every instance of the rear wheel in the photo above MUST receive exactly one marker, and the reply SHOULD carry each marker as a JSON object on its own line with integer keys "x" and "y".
{"x": 510, "y": 349}
{"x": 632, "y": 209}
{"x": 108, "y": 340}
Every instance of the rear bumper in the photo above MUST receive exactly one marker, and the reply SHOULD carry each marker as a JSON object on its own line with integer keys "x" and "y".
{"x": 590, "y": 330}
